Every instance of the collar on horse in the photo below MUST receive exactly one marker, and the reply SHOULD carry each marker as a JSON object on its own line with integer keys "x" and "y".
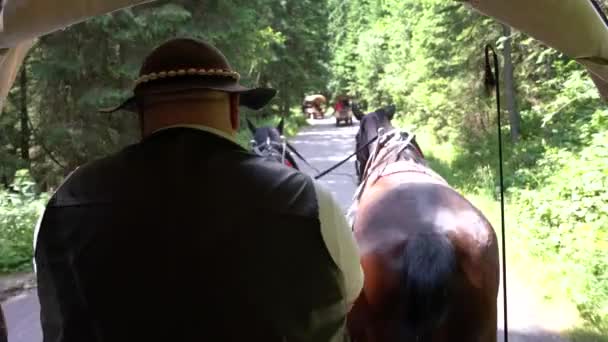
{"x": 398, "y": 138}
{"x": 378, "y": 166}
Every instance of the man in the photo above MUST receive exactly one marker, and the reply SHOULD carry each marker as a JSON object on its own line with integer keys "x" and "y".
{"x": 186, "y": 236}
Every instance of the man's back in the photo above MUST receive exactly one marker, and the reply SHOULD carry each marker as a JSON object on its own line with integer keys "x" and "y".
{"x": 187, "y": 237}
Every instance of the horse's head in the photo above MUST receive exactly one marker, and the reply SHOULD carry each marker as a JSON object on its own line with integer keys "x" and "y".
{"x": 357, "y": 112}
{"x": 368, "y": 130}
{"x": 268, "y": 142}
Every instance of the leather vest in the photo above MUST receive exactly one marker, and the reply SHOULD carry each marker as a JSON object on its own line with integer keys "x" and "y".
{"x": 3, "y": 330}
{"x": 186, "y": 236}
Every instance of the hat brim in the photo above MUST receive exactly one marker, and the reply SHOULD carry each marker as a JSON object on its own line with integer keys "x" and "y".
{"x": 253, "y": 98}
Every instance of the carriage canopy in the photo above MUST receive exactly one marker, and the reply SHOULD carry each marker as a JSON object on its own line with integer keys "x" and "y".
{"x": 317, "y": 98}
{"x": 22, "y": 21}
{"x": 577, "y": 28}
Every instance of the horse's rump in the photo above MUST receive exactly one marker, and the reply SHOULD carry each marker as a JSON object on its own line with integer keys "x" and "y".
{"x": 427, "y": 252}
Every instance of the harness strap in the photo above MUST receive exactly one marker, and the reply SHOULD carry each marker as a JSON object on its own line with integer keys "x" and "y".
{"x": 383, "y": 140}
{"x": 411, "y": 167}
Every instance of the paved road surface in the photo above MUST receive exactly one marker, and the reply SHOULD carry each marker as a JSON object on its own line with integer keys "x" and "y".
{"x": 323, "y": 145}
{"x": 23, "y": 318}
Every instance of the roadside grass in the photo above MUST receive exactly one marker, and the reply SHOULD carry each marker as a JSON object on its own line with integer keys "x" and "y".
{"x": 586, "y": 335}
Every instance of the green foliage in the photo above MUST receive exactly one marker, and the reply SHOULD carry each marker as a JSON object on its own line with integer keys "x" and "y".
{"x": 20, "y": 208}
{"x": 586, "y": 335}
{"x": 565, "y": 224}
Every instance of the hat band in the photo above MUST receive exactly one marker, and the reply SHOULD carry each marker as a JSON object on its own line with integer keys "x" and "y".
{"x": 190, "y": 72}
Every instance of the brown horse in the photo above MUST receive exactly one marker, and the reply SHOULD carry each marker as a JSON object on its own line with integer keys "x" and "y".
{"x": 429, "y": 256}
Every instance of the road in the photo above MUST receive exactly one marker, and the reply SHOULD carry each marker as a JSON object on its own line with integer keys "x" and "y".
{"x": 323, "y": 144}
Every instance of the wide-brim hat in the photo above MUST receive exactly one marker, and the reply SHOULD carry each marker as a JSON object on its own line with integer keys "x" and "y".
{"x": 182, "y": 65}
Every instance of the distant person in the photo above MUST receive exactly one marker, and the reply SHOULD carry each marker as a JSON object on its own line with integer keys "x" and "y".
{"x": 341, "y": 105}
{"x": 186, "y": 236}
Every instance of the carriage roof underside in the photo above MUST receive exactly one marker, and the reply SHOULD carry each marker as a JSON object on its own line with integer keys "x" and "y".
{"x": 577, "y": 28}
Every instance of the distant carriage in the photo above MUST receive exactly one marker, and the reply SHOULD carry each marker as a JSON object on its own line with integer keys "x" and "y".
{"x": 312, "y": 106}
{"x": 343, "y": 110}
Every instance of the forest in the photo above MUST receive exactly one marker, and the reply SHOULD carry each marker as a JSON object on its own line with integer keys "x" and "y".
{"x": 425, "y": 56}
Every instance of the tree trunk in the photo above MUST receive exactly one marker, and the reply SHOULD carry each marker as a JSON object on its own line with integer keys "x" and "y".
{"x": 24, "y": 117}
{"x": 509, "y": 84}
{"x": 285, "y": 109}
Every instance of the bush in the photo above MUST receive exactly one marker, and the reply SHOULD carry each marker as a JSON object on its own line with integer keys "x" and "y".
{"x": 565, "y": 224}
{"x": 20, "y": 208}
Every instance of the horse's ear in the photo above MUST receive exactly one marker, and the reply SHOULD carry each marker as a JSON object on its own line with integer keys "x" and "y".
{"x": 251, "y": 126}
{"x": 390, "y": 111}
{"x": 281, "y": 126}
{"x": 357, "y": 111}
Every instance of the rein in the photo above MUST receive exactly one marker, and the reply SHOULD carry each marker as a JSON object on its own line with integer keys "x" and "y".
{"x": 266, "y": 149}
{"x": 334, "y": 167}
{"x": 324, "y": 173}
{"x": 293, "y": 149}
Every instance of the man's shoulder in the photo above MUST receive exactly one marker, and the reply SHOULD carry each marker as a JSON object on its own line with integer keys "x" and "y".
{"x": 93, "y": 179}
{"x": 285, "y": 187}
{"x": 260, "y": 170}
{"x": 105, "y": 166}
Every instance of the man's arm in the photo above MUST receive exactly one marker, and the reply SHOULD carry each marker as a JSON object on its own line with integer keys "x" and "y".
{"x": 39, "y": 223}
{"x": 340, "y": 242}
{"x": 36, "y": 232}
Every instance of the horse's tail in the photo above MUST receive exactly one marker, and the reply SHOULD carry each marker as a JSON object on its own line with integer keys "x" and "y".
{"x": 429, "y": 271}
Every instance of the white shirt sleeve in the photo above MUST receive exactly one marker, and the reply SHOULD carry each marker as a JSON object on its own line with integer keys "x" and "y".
{"x": 340, "y": 242}
{"x": 36, "y": 231}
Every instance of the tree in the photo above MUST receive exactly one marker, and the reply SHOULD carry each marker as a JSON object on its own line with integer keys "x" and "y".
{"x": 24, "y": 117}
{"x": 509, "y": 85}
